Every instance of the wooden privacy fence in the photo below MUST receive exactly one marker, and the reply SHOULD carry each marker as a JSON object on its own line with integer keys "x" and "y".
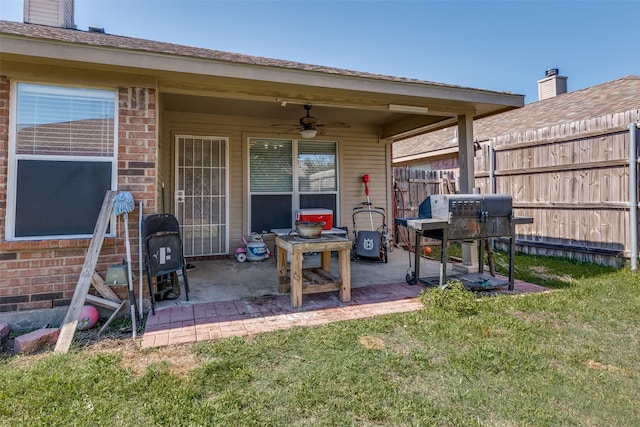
{"x": 412, "y": 186}
{"x": 571, "y": 178}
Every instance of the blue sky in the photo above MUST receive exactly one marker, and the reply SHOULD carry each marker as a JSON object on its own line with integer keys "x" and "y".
{"x": 497, "y": 45}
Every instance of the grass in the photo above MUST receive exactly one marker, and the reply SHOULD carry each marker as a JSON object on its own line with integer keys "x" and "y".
{"x": 551, "y": 272}
{"x": 566, "y": 357}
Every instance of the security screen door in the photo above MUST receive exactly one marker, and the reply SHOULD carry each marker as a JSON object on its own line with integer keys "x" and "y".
{"x": 201, "y": 194}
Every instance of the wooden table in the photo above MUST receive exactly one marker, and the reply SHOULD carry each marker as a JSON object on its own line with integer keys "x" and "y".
{"x": 311, "y": 280}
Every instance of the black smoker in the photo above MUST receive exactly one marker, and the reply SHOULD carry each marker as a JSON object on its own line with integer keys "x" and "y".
{"x": 464, "y": 217}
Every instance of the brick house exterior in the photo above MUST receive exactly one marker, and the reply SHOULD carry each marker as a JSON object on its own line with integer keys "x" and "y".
{"x": 168, "y": 95}
{"x": 43, "y": 273}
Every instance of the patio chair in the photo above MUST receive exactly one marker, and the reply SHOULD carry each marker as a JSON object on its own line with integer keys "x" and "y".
{"x": 164, "y": 259}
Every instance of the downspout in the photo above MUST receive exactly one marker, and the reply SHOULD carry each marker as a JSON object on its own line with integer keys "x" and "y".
{"x": 633, "y": 192}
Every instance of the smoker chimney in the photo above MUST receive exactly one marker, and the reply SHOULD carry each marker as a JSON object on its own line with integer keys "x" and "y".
{"x": 54, "y": 13}
{"x": 552, "y": 85}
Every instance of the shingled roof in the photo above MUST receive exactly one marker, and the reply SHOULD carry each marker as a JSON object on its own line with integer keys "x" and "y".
{"x": 616, "y": 96}
{"x": 89, "y": 38}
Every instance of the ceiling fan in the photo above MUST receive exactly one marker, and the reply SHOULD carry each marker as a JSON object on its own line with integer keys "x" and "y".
{"x": 309, "y": 126}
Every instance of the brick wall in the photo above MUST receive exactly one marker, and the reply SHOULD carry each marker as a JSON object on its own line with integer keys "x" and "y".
{"x": 44, "y": 273}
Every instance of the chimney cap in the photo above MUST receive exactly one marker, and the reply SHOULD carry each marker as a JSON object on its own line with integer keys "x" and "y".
{"x": 551, "y": 72}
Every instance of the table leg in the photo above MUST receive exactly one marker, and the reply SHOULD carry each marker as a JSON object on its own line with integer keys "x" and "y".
{"x": 325, "y": 261}
{"x": 344, "y": 259}
{"x": 283, "y": 276}
{"x": 296, "y": 279}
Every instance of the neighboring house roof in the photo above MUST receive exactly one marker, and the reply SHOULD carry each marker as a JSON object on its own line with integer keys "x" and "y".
{"x": 618, "y": 95}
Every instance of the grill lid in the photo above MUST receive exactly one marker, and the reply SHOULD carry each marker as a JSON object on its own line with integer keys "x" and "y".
{"x": 444, "y": 206}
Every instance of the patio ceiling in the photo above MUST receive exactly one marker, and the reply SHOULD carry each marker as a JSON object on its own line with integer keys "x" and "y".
{"x": 361, "y": 102}
{"x": 271, "y": 91}
{"x": 276, "y": 110}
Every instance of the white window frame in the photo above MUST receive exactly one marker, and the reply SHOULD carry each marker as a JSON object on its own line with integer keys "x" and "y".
{"x": 13, "y": 159}
{"x": 296, "y": 192}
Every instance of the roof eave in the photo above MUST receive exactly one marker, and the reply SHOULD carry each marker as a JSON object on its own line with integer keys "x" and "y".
{"x": 156, "y": 62}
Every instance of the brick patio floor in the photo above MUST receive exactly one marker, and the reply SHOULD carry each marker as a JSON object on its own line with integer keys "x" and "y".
{"x": 251, "y": 316}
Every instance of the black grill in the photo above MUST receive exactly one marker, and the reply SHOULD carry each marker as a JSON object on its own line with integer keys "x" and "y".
{"x": 464, "y": 217}
{"x": 470, "y": 216}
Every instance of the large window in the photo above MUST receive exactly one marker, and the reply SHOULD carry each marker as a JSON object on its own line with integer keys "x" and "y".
{"x": 286, "y": 175}
{"x": 63, "y": 160}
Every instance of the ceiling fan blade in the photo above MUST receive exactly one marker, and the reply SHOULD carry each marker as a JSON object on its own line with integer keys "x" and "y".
{"x": 290, "y": 130}
{"x": 334, "y": 124}
{"x": 310, "y": 122}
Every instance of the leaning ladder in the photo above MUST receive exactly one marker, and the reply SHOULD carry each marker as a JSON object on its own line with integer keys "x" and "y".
{"x": 70, "y": 322}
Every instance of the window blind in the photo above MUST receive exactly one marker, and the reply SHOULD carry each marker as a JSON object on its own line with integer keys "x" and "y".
{"x": 64, "y": 121}
{"x": 270, "y": 165}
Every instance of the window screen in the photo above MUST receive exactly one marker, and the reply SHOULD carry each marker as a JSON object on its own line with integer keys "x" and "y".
{"x": 318, "y": 200}
{"x": 51, "y": 193}
{"x": 268, "y": 212}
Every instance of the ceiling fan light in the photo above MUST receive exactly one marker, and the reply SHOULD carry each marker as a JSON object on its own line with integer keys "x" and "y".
{"x": 308, "y": 133}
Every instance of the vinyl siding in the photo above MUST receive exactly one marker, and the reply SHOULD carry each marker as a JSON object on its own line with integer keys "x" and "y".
{"x": 359, "y": 153}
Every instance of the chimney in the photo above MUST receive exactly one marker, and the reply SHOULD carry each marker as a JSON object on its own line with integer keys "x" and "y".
{"x": 552, "y": 85}
{"x": 54, "y": 13}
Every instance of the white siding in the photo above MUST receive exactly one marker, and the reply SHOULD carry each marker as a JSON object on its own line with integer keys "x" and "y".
{"x": 363, "y": 155}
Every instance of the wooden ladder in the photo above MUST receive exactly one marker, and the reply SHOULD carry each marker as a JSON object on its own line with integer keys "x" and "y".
{"x": 70, "y": 322}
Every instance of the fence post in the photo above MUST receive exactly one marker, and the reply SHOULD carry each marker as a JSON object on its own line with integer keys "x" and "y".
{"x": 633, "y": 193}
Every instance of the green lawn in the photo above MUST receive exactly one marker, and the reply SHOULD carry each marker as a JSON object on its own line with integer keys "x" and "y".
{"x": 567, "y": 357}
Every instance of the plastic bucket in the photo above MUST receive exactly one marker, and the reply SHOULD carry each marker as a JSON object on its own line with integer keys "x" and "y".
{"x": 256, "y": 251}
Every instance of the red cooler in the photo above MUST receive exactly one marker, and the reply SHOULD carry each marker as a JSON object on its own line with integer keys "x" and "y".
{"x": 316, "y": 215}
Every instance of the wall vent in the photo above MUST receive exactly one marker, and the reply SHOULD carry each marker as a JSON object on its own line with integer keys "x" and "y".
{"x": 54, "y": 13}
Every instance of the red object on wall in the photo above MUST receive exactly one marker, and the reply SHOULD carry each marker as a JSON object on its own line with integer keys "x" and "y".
{"x": 365, "y": 179}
